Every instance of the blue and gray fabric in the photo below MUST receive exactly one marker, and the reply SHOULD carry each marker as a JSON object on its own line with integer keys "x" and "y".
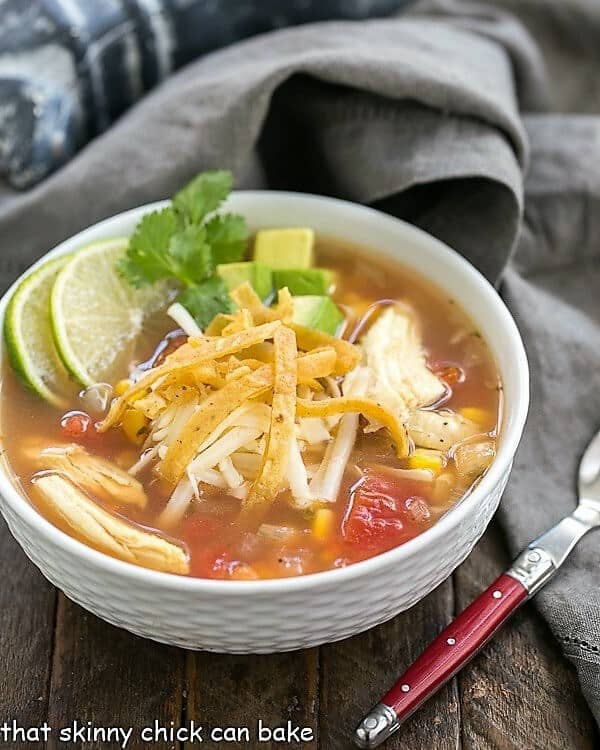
{"x": 68, "y": 68}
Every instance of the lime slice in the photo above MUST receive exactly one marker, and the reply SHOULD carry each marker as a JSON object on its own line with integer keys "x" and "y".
{"x": 97, "y": 316}
{"x": 28, "y": 335}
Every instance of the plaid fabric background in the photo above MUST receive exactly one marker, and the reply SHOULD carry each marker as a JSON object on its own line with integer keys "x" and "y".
{"x": 68, "y": 68}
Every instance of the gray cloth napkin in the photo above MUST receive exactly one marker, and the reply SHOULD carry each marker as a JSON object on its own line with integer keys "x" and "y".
{"x": 422, "y": 116}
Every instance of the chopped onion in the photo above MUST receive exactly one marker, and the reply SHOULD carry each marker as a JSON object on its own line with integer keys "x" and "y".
{"x": 96, "y": 398}
{"x": 184, "y": 320}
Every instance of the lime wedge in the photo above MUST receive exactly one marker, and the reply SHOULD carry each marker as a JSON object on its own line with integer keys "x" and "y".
{"x": 28, "y": 335}
{"x": 96, "y": 315}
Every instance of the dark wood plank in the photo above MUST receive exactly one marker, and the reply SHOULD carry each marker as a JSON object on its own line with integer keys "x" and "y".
{"x": 520, "y": 692}
{"x": 27, "y": 605}
{"x": 107, "y": 676}
{"x": 230, "y": 690}
{"x": 355, "y": 674}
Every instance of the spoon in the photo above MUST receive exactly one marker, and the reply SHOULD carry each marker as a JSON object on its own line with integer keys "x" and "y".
{"x": 474, "y": 627}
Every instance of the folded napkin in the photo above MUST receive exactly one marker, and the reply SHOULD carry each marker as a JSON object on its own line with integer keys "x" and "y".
{"x": 436, "y": 117}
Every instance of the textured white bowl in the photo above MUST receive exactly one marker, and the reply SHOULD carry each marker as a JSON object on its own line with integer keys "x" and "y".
{"x": 292, "y": 613}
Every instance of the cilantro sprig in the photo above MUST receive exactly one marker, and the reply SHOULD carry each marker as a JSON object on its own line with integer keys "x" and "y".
{"x": 181, "y": 244}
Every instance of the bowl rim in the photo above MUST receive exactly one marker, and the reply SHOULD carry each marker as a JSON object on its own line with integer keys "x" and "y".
{"x": 511, "y": 434}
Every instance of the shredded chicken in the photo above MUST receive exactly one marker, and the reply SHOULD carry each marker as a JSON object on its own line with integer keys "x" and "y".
{"x": 439, "y": 429}
{"x": 393, "y": 351}
{"x": 99, "y": 528}
{"x": 98, "y": 476}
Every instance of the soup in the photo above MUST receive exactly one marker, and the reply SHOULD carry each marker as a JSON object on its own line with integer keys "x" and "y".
{"x": 382, "y": 436}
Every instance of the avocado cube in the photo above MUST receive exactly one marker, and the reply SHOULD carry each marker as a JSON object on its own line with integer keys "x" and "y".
{"x": 303, "y": 281}
{"x": 315, "y": 311}
{"x": 285, "y": 248}
{"x": 259, "y": 276}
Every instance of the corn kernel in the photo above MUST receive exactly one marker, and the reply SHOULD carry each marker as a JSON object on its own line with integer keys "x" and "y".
{"x": 134, "y": 426}
{"x": 121, "y": 387}
{"x": 424, "y": 459}
{"x": 322, "y": 525}
{"x": 482, "y": 417}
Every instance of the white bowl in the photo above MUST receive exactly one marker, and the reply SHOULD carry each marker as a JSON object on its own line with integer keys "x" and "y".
{"x": 292, "y": 613}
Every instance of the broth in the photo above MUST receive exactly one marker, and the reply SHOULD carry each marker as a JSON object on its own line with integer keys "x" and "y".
{"x": 377, "y": 507}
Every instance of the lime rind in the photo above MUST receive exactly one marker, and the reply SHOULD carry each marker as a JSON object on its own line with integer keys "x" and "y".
{"x": 96, "y": 316}
{"x": 28, "y": 335}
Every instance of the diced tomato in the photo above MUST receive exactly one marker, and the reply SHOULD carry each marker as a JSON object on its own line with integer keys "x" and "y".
{"x": 207, "y": 538}
{"x": 383, "y": 515}
{"x": 200, "y": 528}
{"x": 449, "y": 372}
{"x": 76, "y": 425}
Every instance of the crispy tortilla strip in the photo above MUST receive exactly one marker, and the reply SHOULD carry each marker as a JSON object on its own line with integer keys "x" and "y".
{"x": 204, "y": 350}
{"x": 98, "y": 476}
{"x": 244, "y": 296}
{"x": 348, "y": 355}
{"x": 224, "y": 324}
{"x": 285, "y": 305}
{"x": 316, "y": 364}
{"x": 349, "y": 405}
{"x": 106, "y": 532}
{"x": 281, "y": 431}
{"x": 211, "y": 412}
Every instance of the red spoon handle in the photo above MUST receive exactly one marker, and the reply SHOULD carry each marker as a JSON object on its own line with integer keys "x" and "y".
{"x": 443, "y": 658}
{"x": 456, "y": 645}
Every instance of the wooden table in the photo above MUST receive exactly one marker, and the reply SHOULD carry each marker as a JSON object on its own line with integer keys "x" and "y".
{"x": 61, "y": 664}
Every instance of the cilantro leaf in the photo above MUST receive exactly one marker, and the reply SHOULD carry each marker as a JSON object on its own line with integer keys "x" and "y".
{"x": 203, "y": 194}
{"x": 179, "y": 243}
{"x": 191, "y": 258}
{"x": 147, "y": 257}
{"x": 205, "y": 300}
{"x": 227, "y": 235}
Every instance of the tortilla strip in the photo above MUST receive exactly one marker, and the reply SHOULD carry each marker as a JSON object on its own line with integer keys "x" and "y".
{"x": 349, "y": 405}
{"x": 316, "y": 364}
{"x": 211, "y": 412}
{"x": 204, "y": 351}
{"x": 283, "y": 414}
{"x": 244, "y": 296}
{"x": 105, "y": 531}
{"x": 348, "y": 355}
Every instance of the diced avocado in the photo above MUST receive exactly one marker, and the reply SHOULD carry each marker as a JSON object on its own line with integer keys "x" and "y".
{"x": 258, "y": 275}
{"x": 318, "y": 312}
{"x": 303, "y": 281}
{"x": 284, "y": 248}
